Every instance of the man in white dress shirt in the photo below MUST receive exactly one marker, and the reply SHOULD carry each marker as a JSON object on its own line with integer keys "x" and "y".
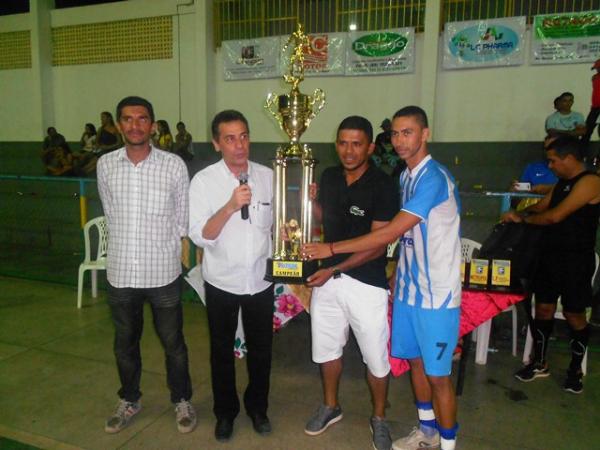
{"x": 233, "y": 266}
{"x": 144, "y": 197}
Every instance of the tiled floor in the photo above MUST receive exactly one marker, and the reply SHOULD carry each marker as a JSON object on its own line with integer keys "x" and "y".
{"x": 58, "y": 382}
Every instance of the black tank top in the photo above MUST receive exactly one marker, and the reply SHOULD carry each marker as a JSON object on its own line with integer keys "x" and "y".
{"x": 106, "y": 138}
{"x": 578, "y": 231}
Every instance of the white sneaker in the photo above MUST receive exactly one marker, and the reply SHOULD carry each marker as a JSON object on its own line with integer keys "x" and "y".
{"x": 417, "y": 440}
{"x": 123, "y": 414}
{"x": 185, "y": 416}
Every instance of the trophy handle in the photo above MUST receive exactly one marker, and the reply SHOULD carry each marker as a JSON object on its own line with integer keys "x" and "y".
{"x": 318, "y": 100}
{"x": 269, "y": 103}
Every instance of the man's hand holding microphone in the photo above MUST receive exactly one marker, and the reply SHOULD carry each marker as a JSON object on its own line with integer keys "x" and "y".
{"x": 241, "y": 196}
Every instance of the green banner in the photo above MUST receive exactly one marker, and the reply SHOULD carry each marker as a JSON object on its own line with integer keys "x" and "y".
{"x": 567, "y": 25}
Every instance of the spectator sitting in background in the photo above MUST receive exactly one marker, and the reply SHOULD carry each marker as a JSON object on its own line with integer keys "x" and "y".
{"x": 108, "y": 138}
{"x": 84, "y": 162}
{"x": 564, "y": 122}
{"x": 384, "y": 157}
{"x": 183, "y": 143}
{"x": 55, "y": 139}
{"x": 56, "y": 154}
{"x": 538, "y": 174}
{"x": 60, "y": 163}
{"x": 88, "y": 138}
{"x": 540, "y": 178}
{"x": 383, "y": 141}
{"x": 164, "y": 140}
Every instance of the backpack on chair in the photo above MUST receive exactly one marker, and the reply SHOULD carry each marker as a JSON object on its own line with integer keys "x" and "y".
{"x": 520, "y": 244}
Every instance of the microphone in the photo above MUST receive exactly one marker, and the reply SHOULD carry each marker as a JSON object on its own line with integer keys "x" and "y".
{"x": 243, "y": 178}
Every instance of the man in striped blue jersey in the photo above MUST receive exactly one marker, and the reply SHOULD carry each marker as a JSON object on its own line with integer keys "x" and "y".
{"x": 427, "y": 292}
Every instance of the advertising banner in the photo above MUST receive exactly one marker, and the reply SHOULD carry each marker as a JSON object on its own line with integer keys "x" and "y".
{"x": 326, "y": 56}
{"x": 251, "y": 58}
{"x": 566, "y": 38}
{"x": 484, "y": 43}
{"x": 380, "y": 52}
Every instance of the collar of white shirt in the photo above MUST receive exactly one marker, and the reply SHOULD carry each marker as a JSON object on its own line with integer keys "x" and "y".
{"x": 154, "y": 155}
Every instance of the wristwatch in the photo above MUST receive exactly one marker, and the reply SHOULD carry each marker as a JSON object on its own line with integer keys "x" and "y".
{"x": 336, "y": 272}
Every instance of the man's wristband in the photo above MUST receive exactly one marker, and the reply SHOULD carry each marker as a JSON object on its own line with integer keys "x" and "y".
{"x": 331, "y": 248}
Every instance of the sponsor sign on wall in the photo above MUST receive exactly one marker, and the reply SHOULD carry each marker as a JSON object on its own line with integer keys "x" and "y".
{"x": 380, "y": 52}
{"x": 566, "y": 38}
{"x": 484, "y": 43}
{"x": 251, "y": 58}
{"x": 326, "y": 55}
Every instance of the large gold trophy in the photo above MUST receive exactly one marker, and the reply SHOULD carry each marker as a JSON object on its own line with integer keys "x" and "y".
{"x": 294, "y": 171}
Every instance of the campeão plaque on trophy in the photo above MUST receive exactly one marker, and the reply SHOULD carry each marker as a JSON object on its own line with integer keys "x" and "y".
{"x": 294, "y": 171}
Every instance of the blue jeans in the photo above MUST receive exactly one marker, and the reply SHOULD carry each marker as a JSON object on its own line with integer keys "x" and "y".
{"x": 127, "y": 308}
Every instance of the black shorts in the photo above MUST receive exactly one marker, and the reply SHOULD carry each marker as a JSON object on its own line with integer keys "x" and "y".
{"x": 567, "y": 275}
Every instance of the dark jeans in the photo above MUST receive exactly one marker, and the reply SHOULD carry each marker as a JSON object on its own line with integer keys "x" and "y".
{"x": 257, "y": 316}
{"x": 127, "y": 308}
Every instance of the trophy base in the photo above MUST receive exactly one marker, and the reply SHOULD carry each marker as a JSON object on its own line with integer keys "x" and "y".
{"x": 290, "y": 272}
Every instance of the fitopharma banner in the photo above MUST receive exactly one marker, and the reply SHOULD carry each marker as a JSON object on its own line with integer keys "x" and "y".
{"x": 566, "y": 38}
{"x": 484, "y": 43}
{"x": 251, "y": 58}
{"x": 380, "y": 52}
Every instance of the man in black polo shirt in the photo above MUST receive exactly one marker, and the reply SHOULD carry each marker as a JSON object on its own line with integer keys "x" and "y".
{"x": 351, "y": 290}
{"x": 570, "y": 213}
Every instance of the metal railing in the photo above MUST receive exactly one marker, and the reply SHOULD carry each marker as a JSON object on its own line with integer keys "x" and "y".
{"x": 80, "y": 193}
{"x": 247, "y": 19}
{"x": 40, "y": 224}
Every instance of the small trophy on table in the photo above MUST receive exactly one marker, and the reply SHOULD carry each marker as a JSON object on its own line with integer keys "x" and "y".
{"x": 294, "y": 170}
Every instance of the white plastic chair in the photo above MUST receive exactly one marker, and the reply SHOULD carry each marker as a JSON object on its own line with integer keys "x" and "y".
{"x": 558, "y": 315}
{"x": 481, "y": 334}
{"x": 99, "y": 263}
{"x": 467, "y": 247}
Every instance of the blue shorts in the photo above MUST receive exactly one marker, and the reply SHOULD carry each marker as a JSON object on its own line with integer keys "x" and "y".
{"x": 429, "y": 334}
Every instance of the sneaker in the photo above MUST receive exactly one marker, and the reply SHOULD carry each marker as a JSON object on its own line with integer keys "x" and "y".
{"x": 532, "y": 371}
{"x": 120, "y": 419}
{"x": 573, "y": 383}
{"x": 322, "y": 419}
{"x": 185, "y": 416}
{"x": 417, "y": 440}
{"x": 382, "y": 440}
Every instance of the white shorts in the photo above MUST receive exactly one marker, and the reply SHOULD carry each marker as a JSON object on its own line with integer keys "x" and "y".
{"x": 345, "y": 302}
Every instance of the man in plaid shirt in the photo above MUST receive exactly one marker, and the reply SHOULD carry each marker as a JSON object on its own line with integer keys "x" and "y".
{"x": 144, "y": 193}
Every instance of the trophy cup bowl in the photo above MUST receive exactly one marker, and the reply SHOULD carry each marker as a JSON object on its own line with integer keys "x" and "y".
{"x": 294, "y": 113}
